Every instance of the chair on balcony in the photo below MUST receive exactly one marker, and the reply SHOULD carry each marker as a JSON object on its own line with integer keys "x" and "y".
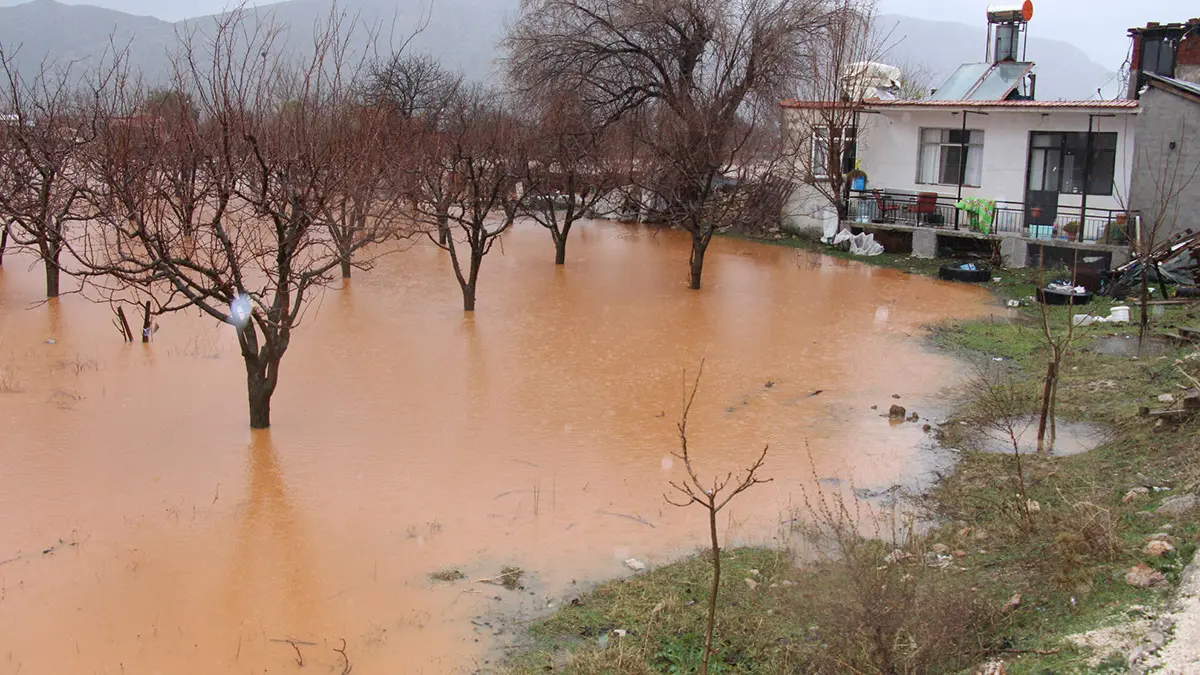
{"x": 885, "y": 208}
{"x": 925, "y": 207}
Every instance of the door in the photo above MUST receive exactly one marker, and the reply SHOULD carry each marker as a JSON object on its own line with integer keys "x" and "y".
{"x": 1043, "y": 179}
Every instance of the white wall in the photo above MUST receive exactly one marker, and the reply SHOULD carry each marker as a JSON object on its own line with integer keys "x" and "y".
{"x": 888, "y": 150}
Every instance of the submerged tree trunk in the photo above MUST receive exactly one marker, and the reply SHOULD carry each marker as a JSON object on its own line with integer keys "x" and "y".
{"x": 260, "y": 388}
{"x": 699, "y": 248}
{"x": 52, "y": 271}
{"x": 346, "y": 267}
{"x": 3, "y": 242}
{"x": 560, "y": 249}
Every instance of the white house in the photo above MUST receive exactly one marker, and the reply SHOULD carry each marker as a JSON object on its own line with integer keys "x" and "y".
{"x": 1053, "y": 168}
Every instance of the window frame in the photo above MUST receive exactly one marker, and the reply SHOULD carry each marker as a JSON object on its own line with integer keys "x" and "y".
{"x": 1074, "y": 144}
{"x": 964, "y": 161}
{"x": 849, "y": 139}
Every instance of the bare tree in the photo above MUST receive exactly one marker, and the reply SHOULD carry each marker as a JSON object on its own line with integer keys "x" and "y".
{"x": 45, "y": 132}
{"x": 712, "y": 497}
{"x": 690, "y": 65}
{"x": 274, "y": 159}
{"x": 572, "y": 166}
{"x": 413, "y": 86}
{"x": 467, "y": 170}
{"x": 1058, "y": 342}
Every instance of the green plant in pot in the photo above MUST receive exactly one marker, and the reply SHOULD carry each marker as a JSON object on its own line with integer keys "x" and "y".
{"x": 1071, "y": 229}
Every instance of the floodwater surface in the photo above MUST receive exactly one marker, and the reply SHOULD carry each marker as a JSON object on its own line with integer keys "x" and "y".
{"x": 145, "y": 529}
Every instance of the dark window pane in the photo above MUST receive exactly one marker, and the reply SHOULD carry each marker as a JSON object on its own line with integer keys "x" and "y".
{"x": 951, "y": 164}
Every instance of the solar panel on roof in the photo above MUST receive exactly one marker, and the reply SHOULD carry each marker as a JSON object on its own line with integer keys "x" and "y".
{"x": 959, "y": 85}
{"x": 1002, "y": 78}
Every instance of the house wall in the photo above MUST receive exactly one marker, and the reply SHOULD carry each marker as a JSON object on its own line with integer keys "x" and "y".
{"x": 889, "y": 147}
{"x": 1167, "y": 118}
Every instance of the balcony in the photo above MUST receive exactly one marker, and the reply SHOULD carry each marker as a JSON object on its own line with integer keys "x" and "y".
{"x": 1012, "y": 219}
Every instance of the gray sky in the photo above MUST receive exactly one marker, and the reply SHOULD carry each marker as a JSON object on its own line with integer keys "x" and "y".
{"x": 1096, "y": 26}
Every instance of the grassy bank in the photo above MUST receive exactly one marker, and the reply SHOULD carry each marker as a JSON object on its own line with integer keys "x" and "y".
{"x": 1001, "y": 575}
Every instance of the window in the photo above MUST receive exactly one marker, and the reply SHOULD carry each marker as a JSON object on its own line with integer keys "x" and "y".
{"x": 820, "y": 151}
{"x": 945, "y": 161}
{"x": 1058, "y": 161}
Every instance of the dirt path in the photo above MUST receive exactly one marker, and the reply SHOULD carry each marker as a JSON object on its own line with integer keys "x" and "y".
{"x": 1181, "y": 655}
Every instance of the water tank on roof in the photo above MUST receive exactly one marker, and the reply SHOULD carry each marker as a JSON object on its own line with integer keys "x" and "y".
{"x": 1010, "y": 12}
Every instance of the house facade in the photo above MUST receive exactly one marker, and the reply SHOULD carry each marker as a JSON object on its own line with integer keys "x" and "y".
{"x": 1165, "y": 80}
{"x": 981, "y": 155}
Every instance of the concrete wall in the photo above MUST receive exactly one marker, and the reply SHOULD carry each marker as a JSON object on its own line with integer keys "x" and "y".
{"x": 1167, "y": 118}
{"x": 889, "y": 148}
{"x": 807, "y": 212}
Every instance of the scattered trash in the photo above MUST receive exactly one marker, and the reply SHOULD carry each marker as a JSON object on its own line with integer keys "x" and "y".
{"x": 1013, "y": 303}
{"x": 635, "y": 564}
{"x": 1166, "y": 398}
{"x": 620, "y": 632}
{"x": 997, "y": 279}
{"x": 50, "y": 342}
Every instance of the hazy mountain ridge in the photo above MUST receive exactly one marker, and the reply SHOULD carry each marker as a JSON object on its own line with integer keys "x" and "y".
{"x": 466, "y": 36}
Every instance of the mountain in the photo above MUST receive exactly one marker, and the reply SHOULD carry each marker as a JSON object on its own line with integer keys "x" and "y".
{"x": 461, "y": 34}
{"x": 464, "y": 34}
{"x": 1064, "y": 71}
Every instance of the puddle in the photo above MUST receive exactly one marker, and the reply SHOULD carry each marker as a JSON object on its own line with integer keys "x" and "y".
{"x": 1073, "y": 438}
{"x": 1127, "y": 345}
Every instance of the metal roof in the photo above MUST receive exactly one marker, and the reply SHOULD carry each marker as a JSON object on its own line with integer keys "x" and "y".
{"x": 1189, "y": 87}
{"x": 1119, "y": 104}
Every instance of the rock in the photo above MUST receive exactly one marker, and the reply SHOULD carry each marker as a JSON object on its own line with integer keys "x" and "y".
{"x": 941, "y": 549}
{"x": 1156, "y": 639}
{"x": 958, "y": 553}
{"x": 991, "y": 668}
{"x": 1013, "y": 603}
{"x": 1177, "y": 506}
{"x": 895, "y": 395}
{"x": 1144, "y": 577}
{"x": 1135, "y": 494}
{"x": 914, "y": 417}
{"x": 980, "y": 535}
{"x": 1166, "y": 398}
{"x": 754, "y": 573}
{"x": 1161, "y": 536}
{"x": 788, "y": 583}
{"x": 751, "y": 583}
{"x": 635, "y": 564}
{"x": 1157, "y": 548}
{"x": 927, "y": 428}
{"x": 964, "y": 532}
{"x": 897, "y": 412}
{"x": 896, "y": 556}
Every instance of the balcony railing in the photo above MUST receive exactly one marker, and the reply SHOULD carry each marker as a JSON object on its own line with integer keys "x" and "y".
{"x": 1103, "y": 226}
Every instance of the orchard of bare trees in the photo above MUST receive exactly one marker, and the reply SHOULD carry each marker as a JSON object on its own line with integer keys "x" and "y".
{"x": 254, "y": 177}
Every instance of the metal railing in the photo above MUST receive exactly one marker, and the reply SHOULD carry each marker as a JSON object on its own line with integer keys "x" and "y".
{"x": 1102, "y": 226}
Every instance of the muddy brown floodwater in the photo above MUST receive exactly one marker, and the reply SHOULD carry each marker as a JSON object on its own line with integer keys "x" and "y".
{"x": 145, "y": 529}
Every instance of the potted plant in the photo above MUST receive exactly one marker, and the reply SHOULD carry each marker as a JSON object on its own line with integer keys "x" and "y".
{"x": 857, "y": 179}
{"x": 1071, "y": 229}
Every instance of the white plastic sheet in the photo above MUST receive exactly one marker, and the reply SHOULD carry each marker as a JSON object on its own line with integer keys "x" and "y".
{"x": 859, "y": 244}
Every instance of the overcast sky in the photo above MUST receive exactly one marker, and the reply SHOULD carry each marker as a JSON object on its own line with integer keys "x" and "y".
{"x": 1096, "y": 26}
